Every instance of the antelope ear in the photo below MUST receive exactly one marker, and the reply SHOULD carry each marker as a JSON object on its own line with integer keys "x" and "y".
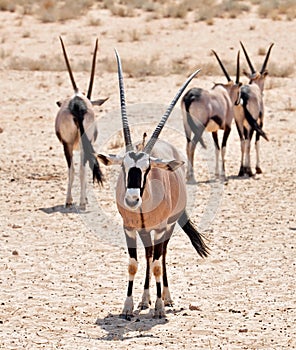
{"x": 170, "y": 165}
{"x": 109, "y": 159}
{"x": 99, "y": 102}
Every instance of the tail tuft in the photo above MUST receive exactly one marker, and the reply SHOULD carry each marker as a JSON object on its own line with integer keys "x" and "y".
{"x": 78, "y": 108}
{"x": 253, "y": 122}
{"x": 196, "y": 238}
{"x": 97, "y": 173}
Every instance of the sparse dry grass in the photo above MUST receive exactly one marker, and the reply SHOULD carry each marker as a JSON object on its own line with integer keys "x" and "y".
{"x": 139, "y": 68}
{"x": 281, "y": 70}
{"x": 277, "y": 10}
{"x": 207, "y": 10}
{"x": 40, "y": 64}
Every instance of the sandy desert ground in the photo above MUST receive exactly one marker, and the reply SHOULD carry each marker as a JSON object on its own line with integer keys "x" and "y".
{"x": 64, "y": 272}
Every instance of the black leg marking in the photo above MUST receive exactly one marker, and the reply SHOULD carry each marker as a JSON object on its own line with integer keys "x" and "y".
{"x": 158, "y": 289}
{"x": 225, "y": 135}
{"x": 164, "y": 272}
{"x": 130, "y": 288}
{"x": 68, "y": 150}
{"x": 215, "y": 138}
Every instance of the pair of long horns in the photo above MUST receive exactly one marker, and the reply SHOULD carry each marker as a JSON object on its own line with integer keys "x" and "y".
{"x": 224, "y": 69}
{"x": 157, "y": 131}
{"x": 263, "y": 68}
{"x": 92, "y": 74}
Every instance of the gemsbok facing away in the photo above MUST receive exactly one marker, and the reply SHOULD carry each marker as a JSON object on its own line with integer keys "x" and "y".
{"x": 249, "y": 114}
{"x": 209, "y": 110}
{"x": 151, "y": 196}
{"x": 74, "y": 125}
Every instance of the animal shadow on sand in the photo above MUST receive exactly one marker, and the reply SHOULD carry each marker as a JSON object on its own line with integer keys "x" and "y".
{"x": 138, "y": 326}
{"x": 63, "y": 209}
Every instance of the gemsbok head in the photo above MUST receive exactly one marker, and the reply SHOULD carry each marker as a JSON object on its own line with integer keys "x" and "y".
{"x": 151, "y": 196}
{"x": 74, "y": 125}
{"x": 210, "y": 110}
{"x": 249, "y": 114}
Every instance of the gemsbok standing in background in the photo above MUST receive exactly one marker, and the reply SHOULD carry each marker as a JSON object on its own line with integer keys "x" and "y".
{"x": 151, "y": 198}
{"x": 249, "y": 114}
{"x": 74, "y": 125}
{"x": 210, "y": 110}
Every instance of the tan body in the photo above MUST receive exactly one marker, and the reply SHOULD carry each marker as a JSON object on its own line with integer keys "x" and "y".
{"x": 75, "y": 126}
{"x": 68, "y": 133}
{"x": 66, "y": 129}
{"x": 211, "y": 111}
{"x": 249, "y": 115}
{"x": 151, "y": 198}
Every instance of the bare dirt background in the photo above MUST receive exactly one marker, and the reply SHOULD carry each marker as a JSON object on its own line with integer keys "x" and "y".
{"x": 62, "y": 283}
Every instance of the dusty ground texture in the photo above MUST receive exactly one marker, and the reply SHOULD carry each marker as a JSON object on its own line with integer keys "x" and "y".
{"x": 63, "y": 274}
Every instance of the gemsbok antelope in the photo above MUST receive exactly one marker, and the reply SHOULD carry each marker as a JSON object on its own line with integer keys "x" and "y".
{"x": 209, "y": 110}
{"x": 151, "y": 196}
{"x": 249, "y": 114}
{"x": 74, "y": 124}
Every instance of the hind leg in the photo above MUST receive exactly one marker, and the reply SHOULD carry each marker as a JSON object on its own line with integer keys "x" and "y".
{"x": 83, "y": 198}
{"x": 248, "y": 170}
{"x": 257, "y": 148}
{"x": 224, "y": 142}
{"x": 147, "y": 242}
{"x": 166, "y": 296}
{"x": 217, "y": 152}
{"x": 68, "y": 150}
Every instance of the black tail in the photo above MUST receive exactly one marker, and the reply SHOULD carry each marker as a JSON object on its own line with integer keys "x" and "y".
{"x": 192, "y": 95}
{"x": 252, "y": 122}
{"x": 195, "y": 237}
{"x": 78, "y": 108}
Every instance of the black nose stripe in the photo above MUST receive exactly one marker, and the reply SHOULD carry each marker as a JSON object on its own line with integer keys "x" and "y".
{"x": 134, "y": 178}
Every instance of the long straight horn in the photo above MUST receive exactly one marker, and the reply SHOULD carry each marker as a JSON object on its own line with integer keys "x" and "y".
{"x": 253, "y": 71}
{"x": 266, "y": 59}
{"x": 222, "y": 66}
{"x": 155, "y": 135}
{"x": 92, "y": 74}
{"x": 237, "y": 68}
{"x": 69, "y": 67}
{"x": 125, "y": 126}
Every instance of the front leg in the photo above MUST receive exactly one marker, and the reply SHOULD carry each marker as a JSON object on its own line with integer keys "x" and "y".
{"x": 147, "y": 242}
{"x": 166, "y": 296}
{"x": 157, "y": 272}
{"x": 224, "y": 142}
{"x": 128, "y": 307}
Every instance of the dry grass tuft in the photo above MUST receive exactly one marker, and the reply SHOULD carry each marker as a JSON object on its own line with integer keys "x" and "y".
{"x": 7, "y": 5}
{"x": 277, "y": 10}
{"x": 281, "y": 71}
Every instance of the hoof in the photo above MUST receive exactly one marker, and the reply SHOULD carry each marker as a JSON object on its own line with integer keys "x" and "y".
{"x": 166, "y": 297}
{"x": 191, "y": 181}
{"x": 68, "y": 205}
{"x": 128, "y": 309}
{"x": 159, "y": 309}
{"x": 241, "y": 171}
{"x": 168, "y": 302}
{"x": 82, "y": 206}
{"x": 248, "y": 172}
{"x": 144, "y": 305}
{"x": 146, "y": 301}
{"x": 258, "y": 170}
